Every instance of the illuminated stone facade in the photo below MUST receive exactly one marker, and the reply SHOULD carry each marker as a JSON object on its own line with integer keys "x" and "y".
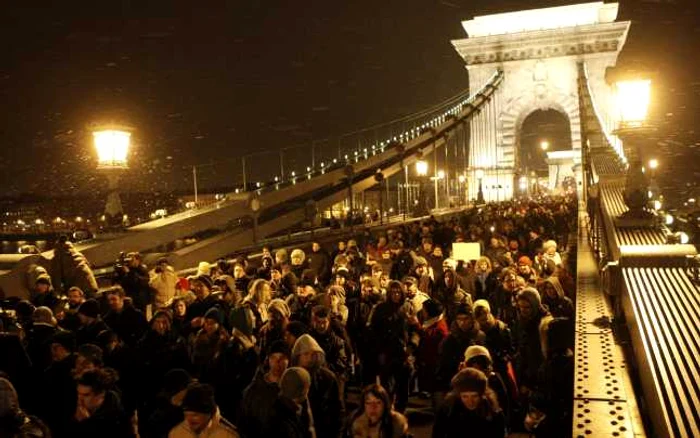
{"x": 539, "y": 51}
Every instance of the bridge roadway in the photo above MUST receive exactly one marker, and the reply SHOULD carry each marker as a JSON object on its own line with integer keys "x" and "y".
{"x": 277, "y": 206}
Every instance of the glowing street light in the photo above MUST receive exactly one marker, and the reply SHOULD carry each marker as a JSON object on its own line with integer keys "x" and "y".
{"x": 480, "y": 193}
{"x": 653, "y": 164}
{"x": 544, "y": 145}
{"x": 633, "y": 97}
{"x": 112, "y": 147}
{"x": 422, "y": 168}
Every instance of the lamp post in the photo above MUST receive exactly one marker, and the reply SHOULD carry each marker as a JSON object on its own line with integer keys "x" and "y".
{"x": 461, "y": 179}
{"x": 422, "y": 172}
{"x": 480, "y": 193}
{"x": 112, "y": 150}
{"x": 653, "y": 185}
{"x": 633, "y": 102}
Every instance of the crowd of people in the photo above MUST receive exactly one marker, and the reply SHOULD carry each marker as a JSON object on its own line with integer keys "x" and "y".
{"x": 307, "y": 342}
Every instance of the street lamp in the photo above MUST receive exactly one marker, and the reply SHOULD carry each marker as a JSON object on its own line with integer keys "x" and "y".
{"x": 112, "y": 150}
{"x": 633, "y": 98}
{"x": 653, "y": 186}
{"x": 480, "y": 194}
{"x": 422, "y": 172}
{"x": 544, "y": 145}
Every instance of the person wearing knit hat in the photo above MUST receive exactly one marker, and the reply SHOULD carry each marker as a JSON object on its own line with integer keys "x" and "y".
{"x": 529, "y": 303}
{"x": 475, "y": 351}
{"x": 293, "y": 331}
{"x": 90, "y": 308}
{"x": 214, "y": 314}
{"x": 202, "y": 417}
{"x": 43, "y": 315}
{"x": 204, "y": 280}
{"x": 432, "y": 333}
{"x": 470, "y": 407}
{"x": 203, "y": 269}
{"x": 91, "y": 323}
{"x": 325, "y": 396}
{"x": 295, "y": 384}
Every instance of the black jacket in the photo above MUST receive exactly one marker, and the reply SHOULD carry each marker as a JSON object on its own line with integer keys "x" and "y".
{"x": 258, "y": 405}
{"x": 335, "y": 349}
{"x": 453, "y": 420}
{"x": 109, "y": 421}
{"x": 136, "y": 285}
{"x": 129, "y": 324}
{"x": 452, "y": 351}
{"x": 287, "y": 423}
{"x": 327, "y": 409}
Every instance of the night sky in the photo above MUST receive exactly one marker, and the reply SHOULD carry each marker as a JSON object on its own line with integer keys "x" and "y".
{"x": 209, "y": 82}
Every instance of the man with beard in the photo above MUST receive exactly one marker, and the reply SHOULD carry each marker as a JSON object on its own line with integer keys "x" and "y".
{"x": 70, "y": 320}
{"x": 300, "y": 303}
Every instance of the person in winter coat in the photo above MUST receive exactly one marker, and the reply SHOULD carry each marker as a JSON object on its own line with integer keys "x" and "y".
{"x": 166, "y": 412}
{"x": 463, "y": 333}
{"x": 91, "y": 323}
{"x": 123, "y": 318}
{"x": 485, "y": 280}
{"x": 550, "y": 252}
{"x": 208, "y": 343}
{"x": 57, "y": 409}
{"x": 160, "y": 350}
{"x": 133, "y": 277}
{"x": 202, "y": 416}
{"x": 559, "y": 305}
{"x": 375, "y": 417}
{"x": 43, "y": 293}
{"x": 530, "y": 354}
{"x": 99, "y": 412}
{"x": 260, "y": 396}
{"x": 235, "y": 367}
{"x": 205, "y": 300}
{"x": 15, "y": 423}
{"x": 450, "y": 295}
{"x": 40, "y": 336}
{"x": 320, "y": 263}
{"x": 273, "y": 330}
{"x": 389, "y": 329}
{"x": 432, "y": 332}
{"x": 479, "y": 357}
{"x": 499, "y": 342}
{"x": 163, "y": 280}
{"x": 255, "y": 303}
{"x": 70, "y": 268}
{"x": 470, "y": 408}
{"x": 293, "y": 417}
{"x": 324, "y": 395}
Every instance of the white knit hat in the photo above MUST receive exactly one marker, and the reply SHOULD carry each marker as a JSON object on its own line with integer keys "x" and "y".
{"x": 474, "y": 351}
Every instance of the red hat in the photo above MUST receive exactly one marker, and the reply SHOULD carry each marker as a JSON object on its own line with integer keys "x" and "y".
{"x": 525, "y": 260}
{"x": 183, "y": 283}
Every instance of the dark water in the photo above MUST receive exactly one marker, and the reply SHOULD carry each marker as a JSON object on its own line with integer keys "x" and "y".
{"x": 13, "y": 246}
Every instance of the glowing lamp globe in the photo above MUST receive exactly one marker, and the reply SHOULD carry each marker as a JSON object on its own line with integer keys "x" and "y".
{"x": 441, "y": 174}
{"x": 112, "y": 148}
{"x": 479, "y": 173}
{"x": 422, "y": 168}
{"x": 653, "y": 163}
{"x": 633, "y": 101}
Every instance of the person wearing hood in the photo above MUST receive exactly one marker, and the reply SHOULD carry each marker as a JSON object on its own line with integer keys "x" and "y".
{"x": 375, "y": 417}
{"x": 389, "y": 329}
{"x": 162, "y": 280}
{"x": 559, "y": 305}
{"x": 91, "y": 323}
{"x": 235, "y": 367}
{"x": 530, "y": 354}
{"x": 166, "y": 410}
{"x": 324, "y": 393}
{"x": 259, "y": 397}
{"x": 231, "y": 296}
{"x": 293, "y": 416}
{"x": 126, "y": 320}
{"x": 333, "y": 345}
{"x": 451, "y": 295}
{"x": 470, "y": 409}
{"x": 479, "y": 357}
{"x": 499, "y": 342}
{"x": 43, "y": 293}
{"x": 301, "y": 302}
{"x": 464, "y": 332}
{"x": 202, "y": 416}
{"x": 14, "y": 422}
{"x": 99, "y": 412}
{"x": 432, "y": 332}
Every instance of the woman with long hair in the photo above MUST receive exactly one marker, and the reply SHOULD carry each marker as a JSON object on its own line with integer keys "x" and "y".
{"x": 375, "y": 417}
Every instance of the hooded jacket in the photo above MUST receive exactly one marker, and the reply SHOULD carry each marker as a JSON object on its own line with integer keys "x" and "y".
{"x": 218, "y": 427}
{"x": 14, "y": 422}
{"x": 561, "y": 306}
{"x": 324, "y": 394}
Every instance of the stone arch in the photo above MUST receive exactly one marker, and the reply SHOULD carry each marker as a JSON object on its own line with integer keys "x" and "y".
{"x": 519, "y": 108}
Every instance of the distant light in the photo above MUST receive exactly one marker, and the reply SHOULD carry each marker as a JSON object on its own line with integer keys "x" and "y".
{"x": 294, "y": 173}
{"x": 257, "y": 184}
{"x": 633, "y": 100}
{"x": 691, "y": 200}
{"x": 323, "y": 164}
{"x": 441, "y": 174}
{"x": 479, "y": 173}
{"x": 308, "y": 169}
{"x": 668, "y": 219}
{"x": 544, "y": 144}
{"x": 335, "y": 160}
{"x": 657, "y": 205}
{"x": 684, "y": 238}
{"x": 112, "y": 148}
{"x": 461, "y": 179}
{"x": 492, "y": 228}
{"x": 653, "y": 163}
{"x": 421, "y": 167}
{"x": 78, "y": 219}
{"x": 650, "y": 194}
{"x": 276, "y": 179}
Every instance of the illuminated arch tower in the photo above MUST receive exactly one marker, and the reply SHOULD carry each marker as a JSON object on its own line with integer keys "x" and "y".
{"x": 539, "y": 50}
